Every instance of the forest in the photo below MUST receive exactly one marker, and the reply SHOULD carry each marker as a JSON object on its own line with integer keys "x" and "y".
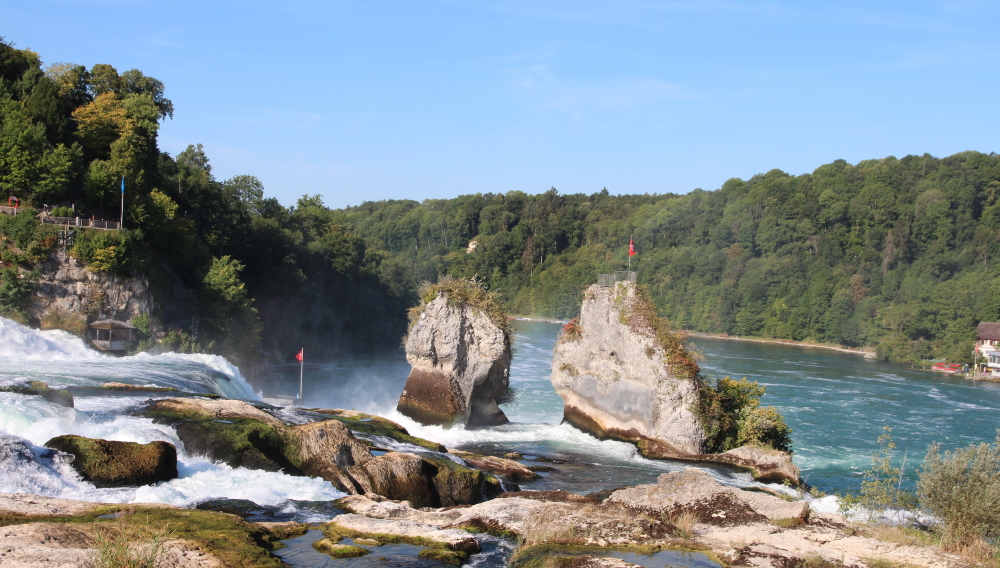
{"x": 892, "y": 254}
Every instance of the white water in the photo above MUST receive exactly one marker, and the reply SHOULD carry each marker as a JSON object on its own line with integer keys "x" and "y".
{"x": 62, "y": 360}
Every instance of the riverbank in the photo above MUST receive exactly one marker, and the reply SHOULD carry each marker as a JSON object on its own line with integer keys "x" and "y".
{"x": 792, "y": 342}
{"x": 540, "y": 320}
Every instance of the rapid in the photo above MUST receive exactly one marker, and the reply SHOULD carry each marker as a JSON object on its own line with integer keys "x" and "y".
{"x": 835, "y": 403}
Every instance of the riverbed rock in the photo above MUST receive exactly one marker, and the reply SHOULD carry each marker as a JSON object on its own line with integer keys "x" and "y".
{"x": 108, "y": 463}
{"x": 61, "y": 397}
{"x": 240, "y": 435}
{"x": 352, "y": 525}
{"x": 695, "y": 492}
{"x": 460, "y": 361}
{"x": 212, "y": 409}
{"x": 497, "y": 466}
{"x": 620, "y": 380}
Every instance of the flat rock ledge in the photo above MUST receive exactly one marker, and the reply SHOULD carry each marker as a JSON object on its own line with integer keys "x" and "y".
{"x": 418, "y": 533}
{"x": 685, "y": 510}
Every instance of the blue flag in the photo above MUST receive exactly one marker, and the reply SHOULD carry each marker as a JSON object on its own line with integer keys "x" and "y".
{"x": 123, "y": 185}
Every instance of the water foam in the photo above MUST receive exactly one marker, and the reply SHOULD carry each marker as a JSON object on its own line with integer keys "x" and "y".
{"x": 69, "y": 362}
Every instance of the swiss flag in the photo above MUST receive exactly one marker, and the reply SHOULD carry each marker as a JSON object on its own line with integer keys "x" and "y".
{"x": 631, "y": 247}
{"x": 298, "y": 356}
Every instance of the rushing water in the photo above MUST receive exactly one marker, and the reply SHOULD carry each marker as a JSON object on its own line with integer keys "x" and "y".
{"x": 835, "y": 403}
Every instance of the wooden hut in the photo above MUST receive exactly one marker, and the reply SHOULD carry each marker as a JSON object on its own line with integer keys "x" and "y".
{"x": 110, "y": 336}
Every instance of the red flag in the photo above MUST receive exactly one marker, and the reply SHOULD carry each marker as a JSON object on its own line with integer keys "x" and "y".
{"x": 631, "y": 247}
{"x": 298, "y": 356}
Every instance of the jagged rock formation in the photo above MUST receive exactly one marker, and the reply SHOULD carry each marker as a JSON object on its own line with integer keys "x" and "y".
{"x": 619, "y": 379}
{"x": 67, "y": 288}
{"x": 240, "y": 435}
{"x": 460, "y": 357}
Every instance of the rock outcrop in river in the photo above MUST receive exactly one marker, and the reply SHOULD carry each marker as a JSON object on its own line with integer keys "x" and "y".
{"x": 241, "y": 435}
{"x": 459, "y": 349}
{"x": 622, "y": 377}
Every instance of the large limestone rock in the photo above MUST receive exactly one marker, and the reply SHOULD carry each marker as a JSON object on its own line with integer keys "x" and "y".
{"x": 461, "y": 362}
{"x": 618, "y": 380}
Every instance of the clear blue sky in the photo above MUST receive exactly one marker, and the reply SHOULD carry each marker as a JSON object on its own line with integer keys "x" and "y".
{"x": 415, "y": 99}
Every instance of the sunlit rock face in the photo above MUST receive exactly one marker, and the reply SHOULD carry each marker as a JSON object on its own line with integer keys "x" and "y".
{"x": 460, "y": 363}
{"x": 616, "y": 381}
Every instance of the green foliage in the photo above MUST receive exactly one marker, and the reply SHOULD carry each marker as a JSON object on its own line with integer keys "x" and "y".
{"x": 105, "y": 251}
{"x": 229, "y": 320}
{"x": 881, "y": 486}
{"x": 124, "y": 545}
{"x": 15, "y": 293}
{"x": 731, "y": 415}
{"x": 892, "y": 253}
{"x": 962, "y": 488}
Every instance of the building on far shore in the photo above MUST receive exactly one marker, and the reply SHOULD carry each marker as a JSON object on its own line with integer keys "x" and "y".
{"x": 988, "y": 347}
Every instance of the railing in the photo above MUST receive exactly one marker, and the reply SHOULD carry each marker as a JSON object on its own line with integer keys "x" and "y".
{"x": 608, "y": 280}
{"x": 8, "y": 210}
{"x": 83, "y": 222}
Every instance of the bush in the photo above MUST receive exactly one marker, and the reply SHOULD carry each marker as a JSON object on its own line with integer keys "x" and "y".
{"x": 462, "y": 292}
{"x": 105, "y": 251}
{"x": 731, "y": 415}
{"x": 881, "y": 486}
{"x": 962, "y": 488}
{"x": 15, "y": 294}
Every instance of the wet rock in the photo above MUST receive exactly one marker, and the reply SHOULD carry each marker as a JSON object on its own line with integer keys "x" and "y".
{"x": 767, "y": 465}
{"x": 240, "y": 435}
{"x": 351, "y": 525}
{"x": 498, "y": 466}
{"x": 38, "y": 388}
{"x": 136, "y": 388}
{"x": 339, "y": 550}
{"x": 222, "y": 409}
{"x": 619, "y": 379}
{"x": 695, "y": 492}
{"x": 460, "y": 357}
{"x": 107, "y": 463}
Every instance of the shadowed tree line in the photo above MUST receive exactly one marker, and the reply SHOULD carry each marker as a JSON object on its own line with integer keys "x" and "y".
{"x": 247, "y": 267}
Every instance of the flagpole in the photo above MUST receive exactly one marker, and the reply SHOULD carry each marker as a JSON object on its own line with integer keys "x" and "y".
{"x": 302, "y": 362}
{"x": 630, "y": 252}
{"x": 121, "y": 220}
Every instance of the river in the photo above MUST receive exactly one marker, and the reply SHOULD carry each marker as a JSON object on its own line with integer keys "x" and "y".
{"x": 835, "y": 403}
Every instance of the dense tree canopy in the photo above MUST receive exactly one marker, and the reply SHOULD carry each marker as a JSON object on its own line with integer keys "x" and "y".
{"x": 894, "y": 253}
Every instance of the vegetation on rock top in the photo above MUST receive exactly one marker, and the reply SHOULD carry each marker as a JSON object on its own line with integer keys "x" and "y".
{"x": 465, "y": 292}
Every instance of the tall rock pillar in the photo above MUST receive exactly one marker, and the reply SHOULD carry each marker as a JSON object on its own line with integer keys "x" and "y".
{"x": 459, "y": 350}
{"x": 622, "y": 376}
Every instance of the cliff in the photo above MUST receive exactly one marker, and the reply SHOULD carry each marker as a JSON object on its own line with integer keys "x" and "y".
{"x": 459, "y": 350}
{"x": 619, "y": 379}
{"x": 66, "y": 289}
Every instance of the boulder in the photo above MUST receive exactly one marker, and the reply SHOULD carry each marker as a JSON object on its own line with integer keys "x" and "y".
{"x": 766, "y": 465}
{"x": 61, "y": 397}
{"x": 240, "y": 435}
{"x": 695, "y": 492}
{"x": 621, "y": 377}
{"x": 497, "y": 466}
{"x": 460, "y": 357}
{"x": 107, "y": 463}
{"x": 351, "y": 525}
{"x": 213, "y": 409}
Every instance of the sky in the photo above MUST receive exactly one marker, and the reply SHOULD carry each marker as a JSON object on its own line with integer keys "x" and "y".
{"x": 421, "y": 99}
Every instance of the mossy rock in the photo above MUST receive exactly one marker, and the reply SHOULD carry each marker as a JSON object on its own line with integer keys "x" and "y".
{"x": 361, "y": 423}
{"x": 38, "y": 388}
{"x": 240, "y": 443}
{"x": 335, "y": 550}
{"x": 107, "y": 463}
{"x": 457, "y": 484}
{"x": 444, "y": 555}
